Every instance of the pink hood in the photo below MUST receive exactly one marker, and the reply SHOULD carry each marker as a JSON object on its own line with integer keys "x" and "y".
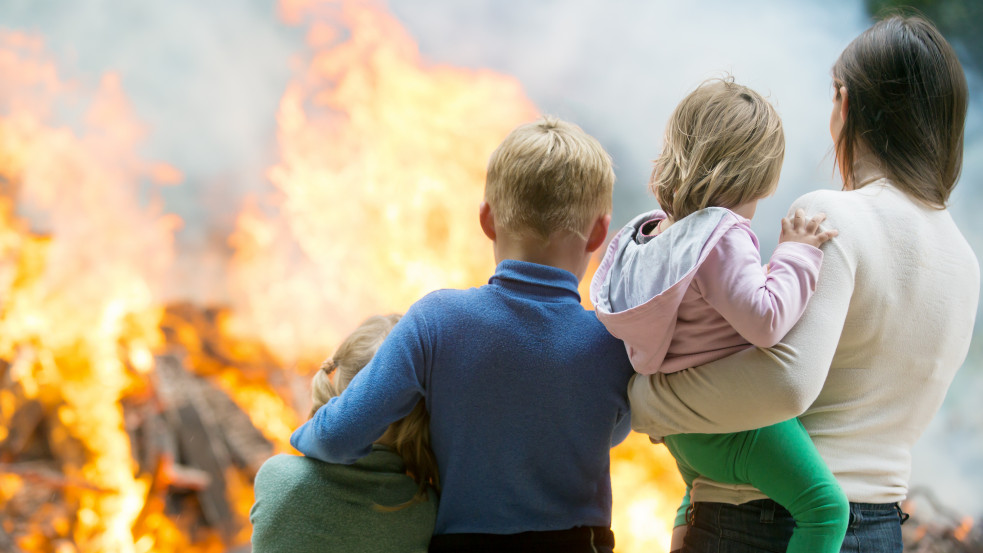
{"x": 641, "y": 281}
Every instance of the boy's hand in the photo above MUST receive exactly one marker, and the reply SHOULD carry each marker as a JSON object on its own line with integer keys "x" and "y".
{"x": 799, "y": 228}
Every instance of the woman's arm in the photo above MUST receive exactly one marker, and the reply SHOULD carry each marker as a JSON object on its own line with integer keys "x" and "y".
{"x": 756, "y": 387}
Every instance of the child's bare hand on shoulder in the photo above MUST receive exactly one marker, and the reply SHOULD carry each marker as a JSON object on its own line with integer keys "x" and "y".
{"x": 800, "y": 228}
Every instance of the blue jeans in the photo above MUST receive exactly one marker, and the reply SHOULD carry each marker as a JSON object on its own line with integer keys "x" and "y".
{"x": 764, "y": 526}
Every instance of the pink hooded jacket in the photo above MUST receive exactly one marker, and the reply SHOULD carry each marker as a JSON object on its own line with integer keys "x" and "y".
{"x": 697, "y": 292}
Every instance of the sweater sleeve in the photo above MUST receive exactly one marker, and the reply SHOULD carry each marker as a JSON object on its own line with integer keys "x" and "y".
{"x": 386, "y": 390}
{"x": 761, "y": 306}
{"x": 755, "y": 387}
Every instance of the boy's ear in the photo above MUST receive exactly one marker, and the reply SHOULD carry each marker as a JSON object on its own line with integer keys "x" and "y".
{"x": 487, "y": 220}
{"x": 598, "y": 232}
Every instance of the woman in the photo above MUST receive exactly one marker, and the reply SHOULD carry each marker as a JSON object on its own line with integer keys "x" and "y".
{"x": 869, "y": 363}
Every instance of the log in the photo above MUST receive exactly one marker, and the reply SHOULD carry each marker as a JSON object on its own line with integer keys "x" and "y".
{"x": 185, "y": 431}
{"x": 41, "y": 474}
{"x": 7, "y": 542}
{"x": 199, "y": 438}
{"x": 21, "y": 428}
{"x": 245, "y": 443}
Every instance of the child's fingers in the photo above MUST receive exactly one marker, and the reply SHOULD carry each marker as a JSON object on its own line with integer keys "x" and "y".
{"x": 799, "y": 219}
{"x": 787, "y": 225}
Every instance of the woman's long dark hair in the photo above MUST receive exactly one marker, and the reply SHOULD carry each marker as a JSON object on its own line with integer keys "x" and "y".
{"x": 906, "y": 107}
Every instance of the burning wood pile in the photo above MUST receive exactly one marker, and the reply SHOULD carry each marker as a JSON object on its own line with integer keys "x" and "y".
{"x": 193, "y": 449}
{"x": 934, "y": 528}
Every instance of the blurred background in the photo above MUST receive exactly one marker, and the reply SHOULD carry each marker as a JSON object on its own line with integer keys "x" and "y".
{"x": 235, "y": 184}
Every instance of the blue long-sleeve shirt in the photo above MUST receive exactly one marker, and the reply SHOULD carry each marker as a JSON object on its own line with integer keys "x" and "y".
{"x": 526, "y": 392}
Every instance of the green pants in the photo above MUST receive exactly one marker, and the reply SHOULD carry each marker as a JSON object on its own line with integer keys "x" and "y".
{"x": 783, "y": 463}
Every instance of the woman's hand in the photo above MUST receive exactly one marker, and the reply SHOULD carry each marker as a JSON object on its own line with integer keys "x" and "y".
{"x": 799, "y": 228}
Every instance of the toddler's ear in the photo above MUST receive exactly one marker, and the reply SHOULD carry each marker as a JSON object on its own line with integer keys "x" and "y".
{"x": 598, "y": 232}
{"x": 487, "y": 220}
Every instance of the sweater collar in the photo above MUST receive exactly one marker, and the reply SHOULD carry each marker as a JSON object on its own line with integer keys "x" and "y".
{"x": 542, "y": 281}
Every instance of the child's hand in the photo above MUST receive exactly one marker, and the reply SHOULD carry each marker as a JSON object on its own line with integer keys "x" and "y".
{"x": 798, "y": 228}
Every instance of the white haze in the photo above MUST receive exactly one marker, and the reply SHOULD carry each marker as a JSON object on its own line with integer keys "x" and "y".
{"x": 206, "y": 78}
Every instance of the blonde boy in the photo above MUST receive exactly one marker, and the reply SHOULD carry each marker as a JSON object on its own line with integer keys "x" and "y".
{"x": 525, "y": 388}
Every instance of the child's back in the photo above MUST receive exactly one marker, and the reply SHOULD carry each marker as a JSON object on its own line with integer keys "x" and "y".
{"x": 304, "y": 504}
{"x": 526, "y": 389}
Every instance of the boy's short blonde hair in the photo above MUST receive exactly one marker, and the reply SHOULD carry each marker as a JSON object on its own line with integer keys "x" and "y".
{"x": 549, "y": 175}
{"x": 724, "y": 146}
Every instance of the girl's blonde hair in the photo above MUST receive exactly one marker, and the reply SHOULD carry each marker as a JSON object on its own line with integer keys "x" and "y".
{"x": 411, "y": 434}
{"x": 724, "y": 146}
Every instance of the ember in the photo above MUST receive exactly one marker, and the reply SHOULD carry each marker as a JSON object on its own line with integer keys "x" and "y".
{"x": 934, "y": 528}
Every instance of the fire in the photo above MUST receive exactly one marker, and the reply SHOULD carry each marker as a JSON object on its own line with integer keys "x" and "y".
{"x": 962, "y": 531}
{"x": 80, "y": 260}
{"x": 382, "y": 160}
{"x": 381, "y": 172}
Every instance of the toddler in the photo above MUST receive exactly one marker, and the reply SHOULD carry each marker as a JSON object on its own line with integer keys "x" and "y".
{"x": 684, "y": 286}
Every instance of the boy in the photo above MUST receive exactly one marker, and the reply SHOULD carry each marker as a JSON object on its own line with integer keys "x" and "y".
{"x": 526, "y": 390}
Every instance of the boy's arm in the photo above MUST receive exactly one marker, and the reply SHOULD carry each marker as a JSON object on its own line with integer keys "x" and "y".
{"x": 386, "y": 390}
{"x": 761, "y": 306}
{"x": 755, "y": 387}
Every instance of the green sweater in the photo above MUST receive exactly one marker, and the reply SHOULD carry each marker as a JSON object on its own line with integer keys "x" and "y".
{"x": 303, "y": 504}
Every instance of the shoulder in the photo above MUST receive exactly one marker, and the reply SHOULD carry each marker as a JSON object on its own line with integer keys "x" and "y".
{"x": 854, "y": 213}
{"x": 440, "y": 300}
{"x": 282, "y": 474}
{"x": 821, "y": 200}
{"x": 604, "y": 347}
{"x": 442, "y": 307}
{"x": 284, "y": 465}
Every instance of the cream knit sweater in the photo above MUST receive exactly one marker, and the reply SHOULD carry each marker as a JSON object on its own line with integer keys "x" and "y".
{"x": 868, "y": 364}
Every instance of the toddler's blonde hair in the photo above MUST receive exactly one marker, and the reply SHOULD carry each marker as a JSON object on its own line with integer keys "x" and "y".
{"x": 411, "y": 434}
{"x": 724, "y": 146}
{"x": 547, "y": 176}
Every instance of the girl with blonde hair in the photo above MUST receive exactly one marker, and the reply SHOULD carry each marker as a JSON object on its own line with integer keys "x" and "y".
{"x": 684, "y": 285}
{"x": 384, "y": 502}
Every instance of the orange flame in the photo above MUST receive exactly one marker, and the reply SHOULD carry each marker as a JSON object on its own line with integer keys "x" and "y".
{"x": 962, "y": 531}
{"x": 382, "y": 171}
{"x": 79, "y": 319}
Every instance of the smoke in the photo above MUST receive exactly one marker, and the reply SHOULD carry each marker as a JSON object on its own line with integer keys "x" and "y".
{"x": 206, "y": 78}
{"x": 619, "y": 68}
